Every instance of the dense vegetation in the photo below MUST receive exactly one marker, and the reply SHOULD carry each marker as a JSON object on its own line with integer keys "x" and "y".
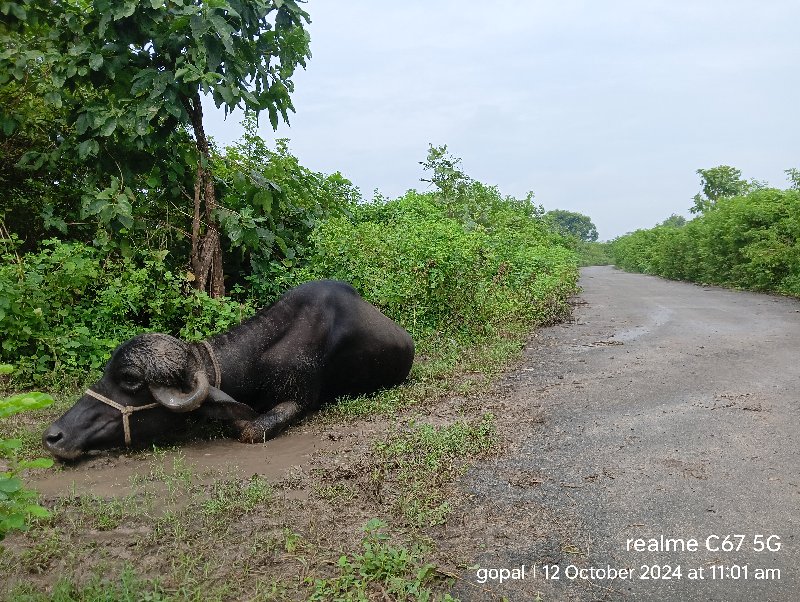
{"x": 571, "y": 223}
{"x": 594, "y": 253}
{"x": 462, "y": 267}
{"x": 459, "y": 266}
{"x": 745, "y": 235}
{"x": 119, "y": 215}
{"x": 122, "y": 82}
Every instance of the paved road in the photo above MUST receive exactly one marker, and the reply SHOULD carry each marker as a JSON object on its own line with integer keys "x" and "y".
{"x": 664, "y": 410}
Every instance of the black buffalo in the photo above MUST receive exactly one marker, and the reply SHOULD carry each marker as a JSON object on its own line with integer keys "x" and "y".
{"x": 317, "y": 342}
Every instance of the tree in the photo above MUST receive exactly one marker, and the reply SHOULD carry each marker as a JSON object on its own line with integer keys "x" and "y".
{"x": 572, "y": 223}
{"x": 270, "y": 205}
{"x": 147, "y": 64}
{"x": 448, "y": 177}
{"x": 471, "y": 202}
{"x": 674, "y": 221}
{"x": 793, "y": 176}
{"x": 721, "y": 182}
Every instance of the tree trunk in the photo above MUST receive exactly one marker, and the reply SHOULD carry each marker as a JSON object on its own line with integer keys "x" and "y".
{"x": 206, "y": 258}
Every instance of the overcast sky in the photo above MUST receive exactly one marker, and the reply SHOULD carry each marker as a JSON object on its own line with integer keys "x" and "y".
{"x": 606, "y": 108}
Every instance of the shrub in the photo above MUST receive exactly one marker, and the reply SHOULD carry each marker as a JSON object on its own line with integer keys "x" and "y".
{"x": 436, "y": 275}
{"x": 380, "y": 571}
{"x": 64, "y": 308}
{"x": 17, "y": 503}
{"x": 750, "y": 241}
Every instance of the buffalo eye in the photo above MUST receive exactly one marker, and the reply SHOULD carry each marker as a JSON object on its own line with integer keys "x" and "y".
{"x": 130, "y": 382}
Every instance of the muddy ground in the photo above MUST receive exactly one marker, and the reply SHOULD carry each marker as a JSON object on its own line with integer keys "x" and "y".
{"x": 661, "y": 409}
{"x": 667, "y": 409}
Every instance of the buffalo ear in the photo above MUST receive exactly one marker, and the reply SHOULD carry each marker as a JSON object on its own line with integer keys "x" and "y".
{"x": 176, "y": 400}
{"x": 221, "y": 406}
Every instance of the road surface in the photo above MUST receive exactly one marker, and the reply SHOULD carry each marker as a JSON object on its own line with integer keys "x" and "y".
{"x": 653, "y": 452}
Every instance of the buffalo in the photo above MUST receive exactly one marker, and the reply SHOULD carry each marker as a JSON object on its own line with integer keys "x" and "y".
{"x": 317, "y": 342}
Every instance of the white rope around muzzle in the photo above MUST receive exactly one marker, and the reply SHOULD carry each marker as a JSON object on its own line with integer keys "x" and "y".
{"x": 126, "y": 411}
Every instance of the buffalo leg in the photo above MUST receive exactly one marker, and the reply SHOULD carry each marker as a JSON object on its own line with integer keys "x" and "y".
{"x": 270, "y": 424}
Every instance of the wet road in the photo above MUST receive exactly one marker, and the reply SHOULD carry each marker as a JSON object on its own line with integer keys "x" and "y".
{"x": 654, "y": 452}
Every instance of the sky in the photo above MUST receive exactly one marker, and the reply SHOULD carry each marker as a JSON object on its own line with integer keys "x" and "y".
{"x": 605, "y": 108}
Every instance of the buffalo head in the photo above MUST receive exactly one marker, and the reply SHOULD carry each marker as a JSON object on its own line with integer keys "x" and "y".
{"x": 148, "y": 385}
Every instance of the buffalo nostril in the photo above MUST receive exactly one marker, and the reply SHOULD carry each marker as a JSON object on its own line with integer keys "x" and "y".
{"x": 53, "y": 437}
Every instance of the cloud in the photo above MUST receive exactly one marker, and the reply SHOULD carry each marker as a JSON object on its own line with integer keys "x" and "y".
{"x": 604, "y": 108}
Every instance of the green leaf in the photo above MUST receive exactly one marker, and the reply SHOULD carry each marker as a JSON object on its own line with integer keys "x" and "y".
{"x": 85, "y": 149}
{"x": 9, "y": 124}
{"x": 82, "y": 123}
{"x": 16, "y": 9}
{"x": 109, "y": 126}
{"x": 263, "y": 199}
{"x": 199, "y": 27}
{"x": 235, "y": 232}
{"x": 273, "y": 116}
{"x": 14, "y": 521}
{"x": 95, "y": 62}
{"x": 142, "y": 81}
{"x": 9, "y": 445}
{"x": 224, "y": 31}
{"x": 37, "y": 511}
{"x": 54, "y": 98}
{"x": 6, "y": 368}
{"x": 126, "y": 9}
{"x": 11, "y": 485}
{"x": 37, "y": 463}
{"x": 79, "y": 48}
{"x": 125, "y": 220}
{"x": 24, "y": 401}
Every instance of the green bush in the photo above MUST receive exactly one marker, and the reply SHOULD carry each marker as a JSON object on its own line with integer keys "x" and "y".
{"x": 64, "y": 308}
{"x": 594, "y": 253}
{"x": 750, "y": 241}
{"x": 436, "y": 275}
{"x": 270, "y": 204}
{"x": 17, "y": 503}
{"x": 462, "y": 262}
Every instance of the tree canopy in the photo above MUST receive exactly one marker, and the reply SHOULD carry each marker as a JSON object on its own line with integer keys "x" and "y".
{"x": 129, "y": 75}
{"x": 572, "y": 223}
{"x": 721, "y": 182}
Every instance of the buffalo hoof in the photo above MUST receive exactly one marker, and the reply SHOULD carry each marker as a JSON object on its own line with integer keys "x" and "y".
{"x": 250, "y": 432}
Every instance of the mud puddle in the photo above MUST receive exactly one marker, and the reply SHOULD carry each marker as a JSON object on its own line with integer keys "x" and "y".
{"x": 111, "y": 473}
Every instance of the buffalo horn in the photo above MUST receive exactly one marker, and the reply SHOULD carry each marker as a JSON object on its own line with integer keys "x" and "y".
{"x": 178, "y": 401}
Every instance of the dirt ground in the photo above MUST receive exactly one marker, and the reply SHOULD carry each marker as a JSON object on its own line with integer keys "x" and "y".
{"x": 664, "y": 409}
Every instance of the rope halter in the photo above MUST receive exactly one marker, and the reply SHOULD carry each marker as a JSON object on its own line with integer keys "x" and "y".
{"x": 126, "y": 411}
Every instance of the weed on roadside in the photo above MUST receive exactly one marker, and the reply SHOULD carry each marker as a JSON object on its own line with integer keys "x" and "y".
{"x": 379, "y": 571}
{"x": 414, "y": 464}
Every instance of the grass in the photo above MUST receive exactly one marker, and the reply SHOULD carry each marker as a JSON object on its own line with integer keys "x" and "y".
{"x": 443, "y": 367}
{"x": 421, "y": 459}
{"x": 173, "y": 507}
{"x": 178, "y": 527}
{"x": 179, "y": 534}
{"x": 127, "y": 588}
{"x": 379, "y": 571}
{"x": 188, "y": 524}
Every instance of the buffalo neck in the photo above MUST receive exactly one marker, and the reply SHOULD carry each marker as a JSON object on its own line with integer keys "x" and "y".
{"x": 239, "y": 350}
